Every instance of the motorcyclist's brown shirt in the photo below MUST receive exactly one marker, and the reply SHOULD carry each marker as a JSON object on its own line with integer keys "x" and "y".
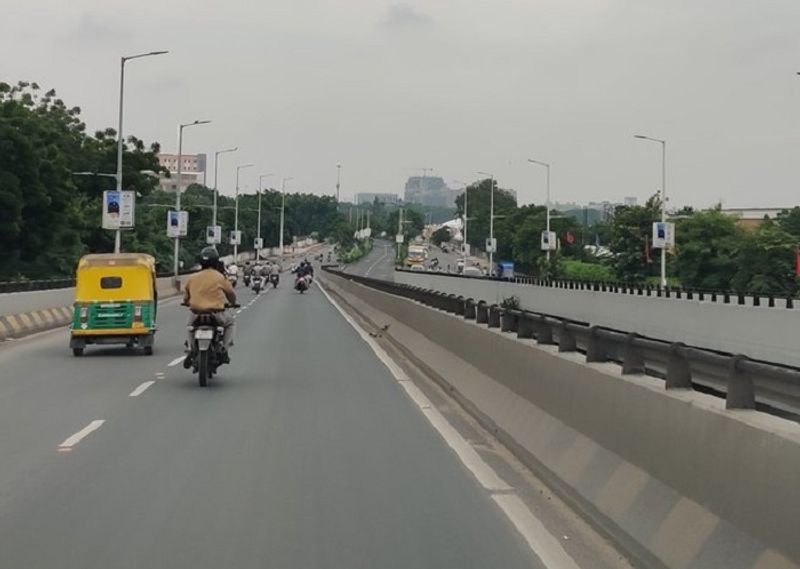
{"x": 208, "y": 291}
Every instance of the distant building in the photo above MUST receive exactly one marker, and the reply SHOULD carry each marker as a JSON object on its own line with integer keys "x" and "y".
{"x": 362, "y": 198}
{"x": 427, "y": 190}
{"x": 630, "y": 201}
{"x": 752, "y": 217}
{"x": 193, "y": 166}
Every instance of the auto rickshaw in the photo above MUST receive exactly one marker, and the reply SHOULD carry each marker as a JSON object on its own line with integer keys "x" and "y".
{"x": 115, "y": 301}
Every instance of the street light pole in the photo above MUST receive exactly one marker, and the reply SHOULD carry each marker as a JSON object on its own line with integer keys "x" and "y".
{"x": 176, "y": 252}
{"x": 216, "y": 169}
{"x": 338, "y": 180}
{"x": 465, "y": 243}
{"x": 283, "y": 209}
{"x": 236, "y": 212}
{"x": 546, "y": 165}
{"x": 663, "y": 144}
{"x": 258, "y": 229}
{"x": 491, "y": 219}
{"x": 120, "y": 139}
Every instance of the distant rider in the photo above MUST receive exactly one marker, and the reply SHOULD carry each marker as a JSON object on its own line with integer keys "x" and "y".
{"x": 209, "y": 292}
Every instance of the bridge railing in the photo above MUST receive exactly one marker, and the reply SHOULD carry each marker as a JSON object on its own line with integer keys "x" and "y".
{"x": 679, "y": 293}
{"x": 743, "y": 382}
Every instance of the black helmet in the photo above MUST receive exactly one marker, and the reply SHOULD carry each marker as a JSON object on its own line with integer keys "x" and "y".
{"x": 209, "y": 258}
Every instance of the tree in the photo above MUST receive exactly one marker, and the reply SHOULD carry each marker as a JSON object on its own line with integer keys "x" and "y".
{"x": 630, "y": 240}
{"x": 441, "y": 235}
{"x": 789, "y": 221}
{"x": 766, "y": 262}
{"x": 479, "y": 206}
{"x": 707, "y": 246}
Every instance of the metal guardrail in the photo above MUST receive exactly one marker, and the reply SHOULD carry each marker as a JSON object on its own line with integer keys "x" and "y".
{"x": 744, "y": 383}
{"x": 680, "y": 293}
{"x": 52, "y": 284}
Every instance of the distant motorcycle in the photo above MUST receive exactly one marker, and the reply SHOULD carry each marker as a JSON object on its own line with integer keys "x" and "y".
{"x": 301, "y": 284}
{"x": 274, "y": 280}
{"x": 257, "y": 284}
{"x": 233, "y": 279}
{"x": 246, "y": 280}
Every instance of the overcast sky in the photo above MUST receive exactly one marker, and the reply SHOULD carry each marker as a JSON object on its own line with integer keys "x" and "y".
{"x": 385, "y": 87}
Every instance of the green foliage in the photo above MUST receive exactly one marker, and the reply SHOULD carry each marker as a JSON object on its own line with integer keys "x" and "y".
{"x": 50, "y": 217}
{"x": 630, "y": 241}
{"x": 708, "y": 244}
{"x": 766, "y": 261}
{"x": 355, "y": 251}
{"x": 441, "y": 235}
{"x": 478, "y": 205}
{"x": 582, "y": 271}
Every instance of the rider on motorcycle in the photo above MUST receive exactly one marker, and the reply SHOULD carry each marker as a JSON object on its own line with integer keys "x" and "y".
{"x": 208, "y": 291}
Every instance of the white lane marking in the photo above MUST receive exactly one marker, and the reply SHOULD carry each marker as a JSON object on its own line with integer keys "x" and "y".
{"x": 536, "y": 535}
{"x": 381, "y": 258}
{"x": 71, "y": 441}
{"x": 239, "y": 311}
{"x": 176, "y": 361}
{"x": 141, "y": 389}
{"x": 547, "y": 548}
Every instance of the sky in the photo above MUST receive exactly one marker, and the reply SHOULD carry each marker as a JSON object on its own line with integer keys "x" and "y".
{"x": 386, "y": 88}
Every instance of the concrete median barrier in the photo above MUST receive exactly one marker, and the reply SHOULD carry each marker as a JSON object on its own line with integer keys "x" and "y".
{"x": 672, "y": 476}
{"x": 25, "y": 313}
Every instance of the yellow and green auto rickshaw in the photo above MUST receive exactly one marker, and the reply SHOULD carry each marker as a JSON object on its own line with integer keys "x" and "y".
{"x": 115, "y": 301}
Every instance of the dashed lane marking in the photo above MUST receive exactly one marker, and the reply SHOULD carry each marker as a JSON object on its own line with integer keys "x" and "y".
{"x": 73, "y": 440}
{"x": 176, "y": 361}
{"x": 141, "y": 389}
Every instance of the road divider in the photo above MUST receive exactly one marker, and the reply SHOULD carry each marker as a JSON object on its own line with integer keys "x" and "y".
{"x": 672, "y": 476}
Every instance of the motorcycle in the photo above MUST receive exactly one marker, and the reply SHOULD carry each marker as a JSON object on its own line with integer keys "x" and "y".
{"x": 274, "y": 280}
{"x": 207, "y": 350}
{"x": 233, "y": 279}
{"x": 257, "y": 284}
{"x": 301, "y": 284}
{"x": 246, "y": 280}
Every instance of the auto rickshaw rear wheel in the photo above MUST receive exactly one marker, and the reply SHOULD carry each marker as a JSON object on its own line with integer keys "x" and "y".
{"x": 77, "y": 352}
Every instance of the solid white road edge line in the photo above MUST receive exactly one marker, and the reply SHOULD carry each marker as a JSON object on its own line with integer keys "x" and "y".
{"x": 536, "y": 535}
{"x": 139, "y": 390}
{"x": 382, "y": 257}
{"x": 70, "y": 442}
{"x": 176, "y": 361}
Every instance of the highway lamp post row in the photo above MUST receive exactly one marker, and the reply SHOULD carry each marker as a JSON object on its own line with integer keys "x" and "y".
{"x": 491, "y": 219}
{"x": 546, "y": 165}
{"x": 176, "y": 253}
{"x": 465, "y": 244}
{"x": 283, "y": 210}
{"x": 216, "y": 170}
{"x": 120, "y": 139}
{"x": 663, "y": 144}
{"x": 236, "y": 212}
{"x": 258, "y": 229}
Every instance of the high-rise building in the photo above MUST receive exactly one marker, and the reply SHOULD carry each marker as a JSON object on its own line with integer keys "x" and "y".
{"x": 192, "y": 167}
{"x": 426, "y": 190}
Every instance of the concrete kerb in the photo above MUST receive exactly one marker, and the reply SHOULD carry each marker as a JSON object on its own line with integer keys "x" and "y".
{"x": 21, "y": 324}
{"x": 720, "y": 481}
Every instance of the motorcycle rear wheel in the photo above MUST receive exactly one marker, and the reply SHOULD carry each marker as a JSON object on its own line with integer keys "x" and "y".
{"x": 203, "y": 368}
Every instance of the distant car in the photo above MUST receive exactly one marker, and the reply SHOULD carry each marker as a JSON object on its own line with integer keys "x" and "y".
{"x": 472, "y": 272}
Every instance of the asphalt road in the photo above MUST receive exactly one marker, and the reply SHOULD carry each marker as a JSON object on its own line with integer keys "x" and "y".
{"x": 304, "y": 453}
{"x": 379, "y": 262}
